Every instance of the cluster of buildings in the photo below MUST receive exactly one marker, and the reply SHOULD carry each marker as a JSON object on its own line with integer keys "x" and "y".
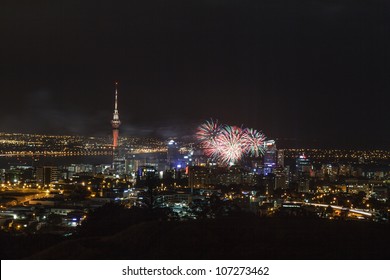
{"x": 49, "y": 197}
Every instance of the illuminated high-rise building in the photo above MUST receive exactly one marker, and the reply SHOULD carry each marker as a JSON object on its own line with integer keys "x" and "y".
{"x": 118, "y": 160}
{"x": 173, "y": 154}
{"x": 115, "y": 122}
{"x": 303, "y": 166}
{"x": 280, "y": 162}
{"x": 270, "y": 159}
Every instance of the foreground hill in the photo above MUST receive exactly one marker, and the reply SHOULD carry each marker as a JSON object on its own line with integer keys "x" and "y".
{"x": 233, "y": 238}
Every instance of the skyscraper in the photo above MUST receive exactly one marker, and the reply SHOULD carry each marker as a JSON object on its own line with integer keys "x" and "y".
{"x": 173, "y": 154}
{"x": 303, "y": 166}
{"x": 270, "y": 159}
{"x": 280, "y": 162}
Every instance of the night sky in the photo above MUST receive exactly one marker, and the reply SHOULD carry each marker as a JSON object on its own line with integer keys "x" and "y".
{"x": 314, "y": 71}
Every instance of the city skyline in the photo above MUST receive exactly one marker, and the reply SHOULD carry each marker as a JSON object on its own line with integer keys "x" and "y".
{"x": 315, "y": 72}
{"x": 214, "y": 132}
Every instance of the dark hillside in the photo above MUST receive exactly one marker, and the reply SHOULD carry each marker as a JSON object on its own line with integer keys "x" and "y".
{"x": 233, "y": 238}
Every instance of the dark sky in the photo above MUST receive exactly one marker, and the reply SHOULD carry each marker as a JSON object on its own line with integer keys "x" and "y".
{"x": 316, "y": 71}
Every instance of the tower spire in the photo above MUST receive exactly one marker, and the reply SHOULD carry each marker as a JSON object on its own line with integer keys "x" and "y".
{"x": 115, "y": 119}
{"x": 116, "y": 96}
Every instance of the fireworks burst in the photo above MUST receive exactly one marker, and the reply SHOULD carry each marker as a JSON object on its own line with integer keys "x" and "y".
{"x": 255, "y": 142}
{"x": 231, "y": 144}
{"x": 228, "y": 144}
{"x": 208, "y": 131}
{"x": 207, "y": 134}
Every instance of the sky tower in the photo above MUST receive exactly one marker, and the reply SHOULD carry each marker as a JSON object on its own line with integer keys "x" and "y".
{"x": 115, "y": 121}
